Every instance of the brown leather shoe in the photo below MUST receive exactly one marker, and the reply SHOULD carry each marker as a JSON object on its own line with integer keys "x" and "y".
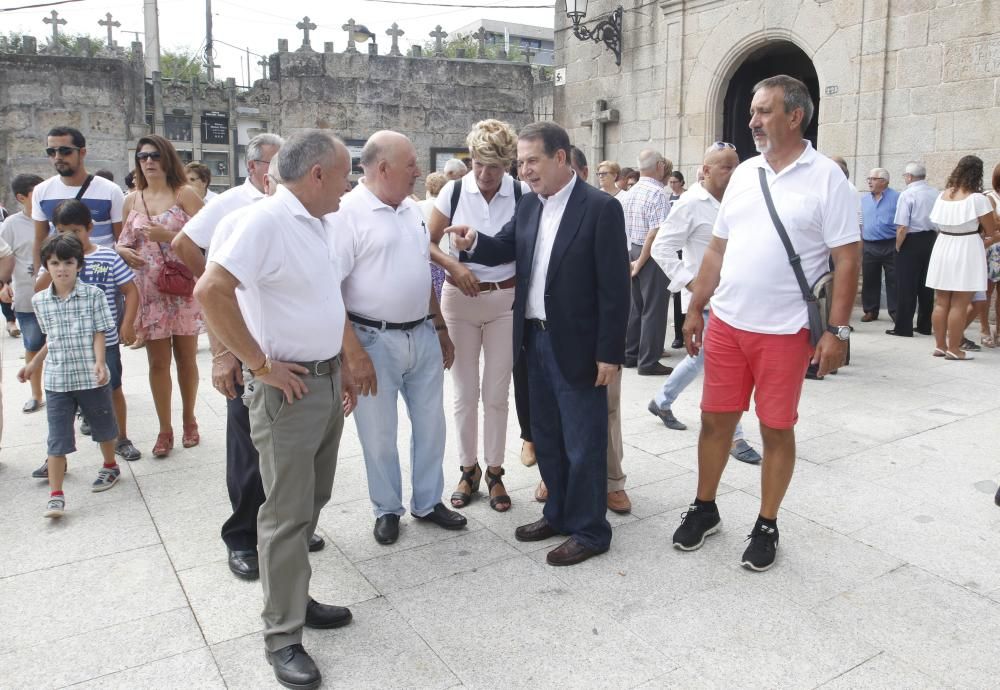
{"x": 541, "y": 492}
{"x": 528, "y": 454}
{"x": 618, "y": 502}
{"x": 570, "y": 553}
{"x": 536, "y": 531}
{"x": 868, "y": 317}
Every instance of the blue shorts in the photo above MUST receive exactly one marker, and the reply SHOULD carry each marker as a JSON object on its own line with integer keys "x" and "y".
{"x": 113, "y": 358}
{"x": 31, "y": 332}
{"x": 95, "y": 403}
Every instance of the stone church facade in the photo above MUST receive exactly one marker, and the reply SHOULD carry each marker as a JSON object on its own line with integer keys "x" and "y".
{"x": 896, "y": 80}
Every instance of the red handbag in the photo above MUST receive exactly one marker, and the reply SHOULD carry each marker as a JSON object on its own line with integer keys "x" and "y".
{"x": 175, "y": 278}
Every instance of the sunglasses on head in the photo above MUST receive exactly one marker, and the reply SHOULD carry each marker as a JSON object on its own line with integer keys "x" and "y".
{"x": 61, "y": 150}
{"x": 722, "y": 145}
{"x": 148, "y": 155}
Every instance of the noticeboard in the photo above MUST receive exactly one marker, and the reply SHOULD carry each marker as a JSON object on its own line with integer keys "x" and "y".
{"x": 214, "y": 127}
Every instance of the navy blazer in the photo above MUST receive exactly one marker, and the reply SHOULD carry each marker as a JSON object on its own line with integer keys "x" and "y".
{"x": 587, "y": 287}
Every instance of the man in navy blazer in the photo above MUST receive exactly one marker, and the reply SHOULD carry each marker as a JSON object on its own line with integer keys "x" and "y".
{"x": 571, "y": 306}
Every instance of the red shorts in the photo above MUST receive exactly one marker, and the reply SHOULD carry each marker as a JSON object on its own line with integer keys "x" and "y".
{"x": 773, "y": 367}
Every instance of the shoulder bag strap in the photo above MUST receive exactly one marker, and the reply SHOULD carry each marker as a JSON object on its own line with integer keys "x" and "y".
{"x": 456, "y": 195}
{"x": 83, "y": 189}
{"x": 793, "y": 258}
{"x": 518, "y": 192}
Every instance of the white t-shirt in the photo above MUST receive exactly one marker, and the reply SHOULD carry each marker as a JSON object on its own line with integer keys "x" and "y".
{"x": 386, "y": 252}
{"x": 688, "y": 228}
{"x": 19, "y": 232}
{"x": 487, "y": 218}
{"x": 203, "y": 224}
{"x": 103, "y": 197}
{"x": 758, "y": 291}
{"x": 289, "y": 292}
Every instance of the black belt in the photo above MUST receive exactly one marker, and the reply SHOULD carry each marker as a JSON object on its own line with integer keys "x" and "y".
{"x": 385, "y": 325}
{"x": 960, "y": 234}
{"x": 538, "y": 323}
{"x": 322, "y": 367}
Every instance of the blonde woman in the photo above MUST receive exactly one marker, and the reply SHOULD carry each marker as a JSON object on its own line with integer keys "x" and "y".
{"x": 608, "y": 173}
{"x": 476, "y": 303}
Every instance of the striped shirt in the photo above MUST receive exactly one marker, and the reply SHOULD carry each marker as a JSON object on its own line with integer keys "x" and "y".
{"x": 106, "y": 270}
{"x": 70, "y": 325}
{"x": 104, "y": 199}
{"x": 646, "y": 207}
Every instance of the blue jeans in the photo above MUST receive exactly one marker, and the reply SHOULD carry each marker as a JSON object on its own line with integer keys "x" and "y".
{"x": 682, "y": 376}
{"x": 408, "y": 363}
{"x": 569, "y": 426}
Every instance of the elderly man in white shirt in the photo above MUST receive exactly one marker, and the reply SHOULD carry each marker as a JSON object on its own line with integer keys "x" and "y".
{"x": 689, "y": 228}
{"x": 759, "y": 340}
{"x": 395, "y": 314}
{"x": 271, "y": 294}
{"x": 915, "y": 237}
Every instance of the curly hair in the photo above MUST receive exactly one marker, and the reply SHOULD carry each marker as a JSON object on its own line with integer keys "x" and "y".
{"x": 492, "y": 141}
{"x": 967, "y": 175}
{"x": 996, "y": 178}
{"x": 170, "y": 162}
{"x": 434, "y": 182}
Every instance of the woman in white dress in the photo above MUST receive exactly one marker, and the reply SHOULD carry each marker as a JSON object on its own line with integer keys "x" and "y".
{"x": 957, "y": 267}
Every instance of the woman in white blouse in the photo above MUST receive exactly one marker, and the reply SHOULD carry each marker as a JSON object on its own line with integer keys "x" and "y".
{"x": 957, "y": 267}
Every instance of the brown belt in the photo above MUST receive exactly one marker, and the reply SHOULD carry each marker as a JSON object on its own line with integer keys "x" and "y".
{"x": 487, "y": 287}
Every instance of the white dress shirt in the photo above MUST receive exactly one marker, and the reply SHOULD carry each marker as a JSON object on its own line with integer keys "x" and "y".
{"x": 202, "y": 225}
{"x": 552, "y": 213}
{"x": 688, "y": 228}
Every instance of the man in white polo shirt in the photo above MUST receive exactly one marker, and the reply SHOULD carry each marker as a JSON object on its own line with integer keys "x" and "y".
{"x": 759, "y": 338}
{"x": 395, "y": 315}
{"x": 271, "y": 295}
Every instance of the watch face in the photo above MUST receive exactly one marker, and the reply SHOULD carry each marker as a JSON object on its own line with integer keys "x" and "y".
{"x": 844, "y": 332}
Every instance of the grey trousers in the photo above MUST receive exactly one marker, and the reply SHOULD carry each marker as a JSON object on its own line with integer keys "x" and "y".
{"x": 647, "y": 319}
{"x": 298, "y": 458}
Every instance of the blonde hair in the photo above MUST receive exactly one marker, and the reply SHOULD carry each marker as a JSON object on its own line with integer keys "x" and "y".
{"x": 434, "y": 182}
{"x": 492, "y": 141}
{"x": 612, "y": 167}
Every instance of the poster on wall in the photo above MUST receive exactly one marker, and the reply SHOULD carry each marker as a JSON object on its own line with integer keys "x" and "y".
{"x": 441, "y": 155}
{"x": 354, "y": 147}
{"x": 214, "y": 127}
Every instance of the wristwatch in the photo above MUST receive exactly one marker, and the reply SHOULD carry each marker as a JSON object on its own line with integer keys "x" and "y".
{"x": 842, "y": 332}
{"x": 264, "y": 369}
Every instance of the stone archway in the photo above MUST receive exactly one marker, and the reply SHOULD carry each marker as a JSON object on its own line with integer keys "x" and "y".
{"x": 775, "y": 57}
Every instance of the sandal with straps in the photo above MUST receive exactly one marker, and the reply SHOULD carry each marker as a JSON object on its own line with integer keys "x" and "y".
{"x": 496, "y": 502}
{"x": 460, "y": 499}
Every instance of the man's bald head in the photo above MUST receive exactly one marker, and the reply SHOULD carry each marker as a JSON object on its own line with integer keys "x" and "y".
{"x": 714, "y": 156}
{"x": 382, "y": 146}
{"x": 717, "y": 168}
{"x": 390, "y": 164}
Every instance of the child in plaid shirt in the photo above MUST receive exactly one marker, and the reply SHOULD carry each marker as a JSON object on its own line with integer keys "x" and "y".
{"x": 74, "y": 316}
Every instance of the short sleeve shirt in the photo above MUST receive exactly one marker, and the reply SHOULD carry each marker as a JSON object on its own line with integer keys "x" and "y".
{"x": 913, "y": 210}
{"x": 70, "y": 324}
{"x": 108, "y": 272}
{"x": 103, "y": 197}
{"x": 646, "y": 207}
{"x": 19, "y": 232}
{"x": 202, "y": 225}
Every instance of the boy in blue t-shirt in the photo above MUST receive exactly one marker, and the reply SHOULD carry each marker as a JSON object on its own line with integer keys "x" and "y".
{"x": 104, "y": 269}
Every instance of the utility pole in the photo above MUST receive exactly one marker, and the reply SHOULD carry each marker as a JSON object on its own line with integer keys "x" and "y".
{"x": 209, "y": 50}
{"x": 152, "y": 25}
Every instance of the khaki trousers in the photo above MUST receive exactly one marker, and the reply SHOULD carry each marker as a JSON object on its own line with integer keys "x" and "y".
{"x": 298, "y": 458}
{"x": 616, "y": 451}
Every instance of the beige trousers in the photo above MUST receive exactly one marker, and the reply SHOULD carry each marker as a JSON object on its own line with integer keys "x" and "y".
{"x": 616, "y": 477}
{"x": 481, "y": 329}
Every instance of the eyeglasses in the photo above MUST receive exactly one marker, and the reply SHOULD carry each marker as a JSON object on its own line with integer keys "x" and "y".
{"x": 147, "y": 155}
{"x": 723, "y": 145}
{"x": 875, "y": 179}
{"x": 604, "y": 174}
{"x": 61, "y": 150}
{"x": 260, "y": 160}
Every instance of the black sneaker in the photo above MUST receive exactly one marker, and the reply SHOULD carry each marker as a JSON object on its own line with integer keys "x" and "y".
{"x": 970, "y": 346}
{"x": 760, "y": 554}
{"x": 696, "y": 523}
{"x": 84, "y": 426}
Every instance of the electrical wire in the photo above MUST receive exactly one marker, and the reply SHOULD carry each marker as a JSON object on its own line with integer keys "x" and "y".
{"x": 40, "y": 4}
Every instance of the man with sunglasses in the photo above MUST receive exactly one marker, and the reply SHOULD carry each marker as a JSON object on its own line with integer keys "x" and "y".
{"x": 66, "y": 147}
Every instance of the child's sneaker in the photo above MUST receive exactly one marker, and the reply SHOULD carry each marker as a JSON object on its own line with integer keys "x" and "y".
{"x": 43, "y": 471}
{"x": 56, "y": 507}
{"x": 106, "y": 478}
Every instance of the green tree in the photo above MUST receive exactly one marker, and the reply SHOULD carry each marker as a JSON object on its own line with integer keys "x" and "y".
{"x": 458, "y": 41}
{"x": 183, "y": 64}
{"x": 69, "y": 44}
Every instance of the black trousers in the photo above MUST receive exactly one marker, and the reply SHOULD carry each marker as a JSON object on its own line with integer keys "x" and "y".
{"x": 913, "y": 295}
{"x": 246, "y": 492}
{"x": 520, "y": 375}
{"x": 878, "y": 256}
{"x": 647, "y": 320}
{"x": 678, "y": 314}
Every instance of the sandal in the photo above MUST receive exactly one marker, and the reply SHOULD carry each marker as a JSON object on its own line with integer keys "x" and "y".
{"x": 190, "y": 437}
{"x": 987, "y": 340}
{"x": 460, "y": 499}
{"x": 501, "y": 504}
{"x": 938, "y": 352}
{"x": 164, "y": 444}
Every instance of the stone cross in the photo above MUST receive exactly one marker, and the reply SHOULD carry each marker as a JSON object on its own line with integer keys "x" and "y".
{"x": 395, "y": 32}
{"x": 264, "y": 62}
{"x": 599, "y": 117}
{"x": 55, "y": 21}
{"x": 481, "y": 37}
{"x": 438, "y": 35}
{"x": 110, "y": 24}
{"x": 350, "y": 27}
{"x": 306, "y": 27}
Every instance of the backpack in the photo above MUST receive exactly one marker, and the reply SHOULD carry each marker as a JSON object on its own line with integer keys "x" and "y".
{"x": 456, "y": 194}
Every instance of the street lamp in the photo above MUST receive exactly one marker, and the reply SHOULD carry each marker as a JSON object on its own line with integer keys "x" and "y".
{"x": 607, "y": 31}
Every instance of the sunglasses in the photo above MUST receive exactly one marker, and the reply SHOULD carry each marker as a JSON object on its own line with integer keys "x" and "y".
{"x": 148, "y": 155}
{"x": 723, "y": 145}
{"x": 61, "y": 150}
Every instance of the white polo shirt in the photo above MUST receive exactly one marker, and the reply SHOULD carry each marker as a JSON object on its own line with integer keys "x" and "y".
{"x": 487, "y": 218}
{"x": 688, "y": 228}
{"x": 202, "y": 225}
{"x": 386, "y": 252}
{"x": 287, "y": 265}
{"x": 758, "y": 291}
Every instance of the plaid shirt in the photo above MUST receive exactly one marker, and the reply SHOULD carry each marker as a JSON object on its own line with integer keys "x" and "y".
{"x": 646, "y": 206}
{"x": 70, "y": 325}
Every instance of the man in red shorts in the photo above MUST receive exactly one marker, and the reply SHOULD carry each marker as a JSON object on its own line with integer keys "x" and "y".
{"x": 758, "y": 341}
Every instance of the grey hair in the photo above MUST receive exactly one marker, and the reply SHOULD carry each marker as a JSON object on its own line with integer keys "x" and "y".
{"x": 648, "y": 160}
{"x": 455, "y": 165}
{"x": 305, "y": 149}
{"x": 917, "y": 170}
{"x": 796, "y": 95}
{"x": 253, "y": 148}
{"x": 879, "y": 172}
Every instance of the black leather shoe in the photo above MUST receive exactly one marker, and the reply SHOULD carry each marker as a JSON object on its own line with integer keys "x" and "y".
{"x": 387, "y": 528}
{"x": 631, "y": 364}
{"x": 655, "y": 370}
{"x": 925, "y": 332}
{"x": 294, "y": 668}
{"x": 326, "y": 616}
{"x": 316, "y": 543}
{"x": 243, "y": 564}
{"x": 443, "y": 517}
{"x": 536, "y": 531}
{"x": 677, "y": 344}
{"x": 570, "y": 552}
{"x": 893, "y": 331}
